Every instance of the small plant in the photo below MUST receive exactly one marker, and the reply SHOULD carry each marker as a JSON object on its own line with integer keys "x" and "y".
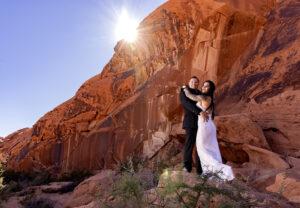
{"x": 31, "y": 201}
{"x": 75, "y": 176}
{"x": 4, "y": 191}
{"x": 39, "y": 178}
{"x": 10, "y": 175}
{"x": 28, "y": 197}
{"x": 282, "y": 186}
{"x": 157, "y": 169}
{"x": 133, "y": 164}
{"x": 2, "y": 186}
{"x": 130, "y": 191}
{"x": 68, "y": 188}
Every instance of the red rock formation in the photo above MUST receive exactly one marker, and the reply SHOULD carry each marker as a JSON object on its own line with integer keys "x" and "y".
{"x": 261, "y": 7}
{"x": 284, "y": 182}
{"x": 132, "y": 105}
{"x": 288, "y": 184}
{"x": 266, "y": 83}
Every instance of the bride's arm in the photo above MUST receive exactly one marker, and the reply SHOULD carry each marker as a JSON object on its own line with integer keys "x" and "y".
{"x": 193, "y": 97}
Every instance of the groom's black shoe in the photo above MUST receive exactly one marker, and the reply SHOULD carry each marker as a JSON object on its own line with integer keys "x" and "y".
{"x": 186, "y": 170}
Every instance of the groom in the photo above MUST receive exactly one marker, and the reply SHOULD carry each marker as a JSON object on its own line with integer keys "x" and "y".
{"x": 190, "y": 124}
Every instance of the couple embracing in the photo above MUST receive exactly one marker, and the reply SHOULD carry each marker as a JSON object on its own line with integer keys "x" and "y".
{"x": 198, "y": 115}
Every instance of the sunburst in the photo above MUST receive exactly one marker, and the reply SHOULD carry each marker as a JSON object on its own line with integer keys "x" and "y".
{"x": 126, "y": 27}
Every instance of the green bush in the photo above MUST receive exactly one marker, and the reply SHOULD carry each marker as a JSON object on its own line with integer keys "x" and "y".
{"x": 129, "y": 190}
{"x": 133, "y": 164}
{"x": 10, "y": 175}
{"x": 75, "y": 176}
{"x": 12, "y": 181}
{"x": 32, "y": 201}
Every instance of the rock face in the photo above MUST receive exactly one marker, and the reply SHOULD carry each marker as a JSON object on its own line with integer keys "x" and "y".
{"x": 266, "y": 83}
{"x": 250, "y": 49}
{"x": 133, "y": 104}
{"x": 261, "y": 7}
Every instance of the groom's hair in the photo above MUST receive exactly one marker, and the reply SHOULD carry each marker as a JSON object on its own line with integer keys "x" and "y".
{"x": 194, "y": 77}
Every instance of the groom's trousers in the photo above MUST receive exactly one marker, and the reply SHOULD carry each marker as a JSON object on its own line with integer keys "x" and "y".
{"x": 190, "y": 141}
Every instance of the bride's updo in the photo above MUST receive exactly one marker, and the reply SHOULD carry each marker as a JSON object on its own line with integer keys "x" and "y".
{"x": 210, "y": 93}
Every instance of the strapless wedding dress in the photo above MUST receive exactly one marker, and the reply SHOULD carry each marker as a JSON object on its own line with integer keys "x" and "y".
{"x": 208, "y": 149}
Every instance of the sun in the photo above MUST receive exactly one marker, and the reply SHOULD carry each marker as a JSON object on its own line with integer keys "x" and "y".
{"x": 126, "y": 27}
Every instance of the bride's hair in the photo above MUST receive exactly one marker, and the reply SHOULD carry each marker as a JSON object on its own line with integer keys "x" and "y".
{"x": 210, "y": 93}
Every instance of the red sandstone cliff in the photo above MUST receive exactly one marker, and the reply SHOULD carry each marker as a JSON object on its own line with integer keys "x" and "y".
{"x": 265, "y": 81}
{"x": 133, "y": 105}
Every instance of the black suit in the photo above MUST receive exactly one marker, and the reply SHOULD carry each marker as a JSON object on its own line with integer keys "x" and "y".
{"x": 190, "y": 124}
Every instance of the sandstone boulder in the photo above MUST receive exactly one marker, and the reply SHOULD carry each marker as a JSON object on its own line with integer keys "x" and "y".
{"x": 287, "y": 184}
{"x": 87, "y": 191}
{"x": 240, "y": 129}
{"x": 264, "y": 159}
{"x": 235, "y": 130}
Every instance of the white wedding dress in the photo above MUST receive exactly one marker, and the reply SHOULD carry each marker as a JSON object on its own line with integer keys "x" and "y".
{"x": 208, "y": 149}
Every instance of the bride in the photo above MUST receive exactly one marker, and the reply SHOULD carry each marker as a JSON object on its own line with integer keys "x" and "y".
{"x": 206, "y": 140}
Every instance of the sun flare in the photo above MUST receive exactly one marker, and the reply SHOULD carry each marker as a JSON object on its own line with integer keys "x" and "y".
{"x": 126, "y": 27}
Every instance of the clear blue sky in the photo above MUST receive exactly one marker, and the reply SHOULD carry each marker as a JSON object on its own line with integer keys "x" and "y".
{"x": 48, "y": 48}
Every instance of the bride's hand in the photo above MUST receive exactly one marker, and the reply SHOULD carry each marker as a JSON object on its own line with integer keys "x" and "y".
{"x": 204, "y": 116}
{"x": 184, "y": 86}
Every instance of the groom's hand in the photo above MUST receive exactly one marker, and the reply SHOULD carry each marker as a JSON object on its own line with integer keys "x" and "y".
{"x": 204, "y": 116}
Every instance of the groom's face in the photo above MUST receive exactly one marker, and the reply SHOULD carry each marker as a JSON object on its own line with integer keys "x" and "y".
{"x": 193, "y": 83}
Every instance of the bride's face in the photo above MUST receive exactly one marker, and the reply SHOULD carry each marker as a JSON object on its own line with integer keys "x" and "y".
{"x": 205, "y": 87}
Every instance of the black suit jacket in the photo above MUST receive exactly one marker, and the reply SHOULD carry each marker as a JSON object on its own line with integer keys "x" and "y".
{"x": 191, "y": 111}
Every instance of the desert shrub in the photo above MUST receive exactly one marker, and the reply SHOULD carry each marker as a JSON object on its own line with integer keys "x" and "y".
{"x": 4, "y": 191}
{"x": 12, "y": 181}
{"x": 157, "y": 169}
{"x": 133, "y": 163}
{"x": 68, "y": 188}
{"x": 10, "y": 175}
{"x": 32, "y": 201}
{"x": 40, "y": 178}
{"x": 2, "y": 186}
{"x": 17, "y": 181}
{"x": 129, "y": 190}
{"x": 75, "y": 176}
{"x": 26, "y": 192}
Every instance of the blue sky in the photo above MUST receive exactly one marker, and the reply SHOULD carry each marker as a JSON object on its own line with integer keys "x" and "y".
{"x": 49, "y": 48}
